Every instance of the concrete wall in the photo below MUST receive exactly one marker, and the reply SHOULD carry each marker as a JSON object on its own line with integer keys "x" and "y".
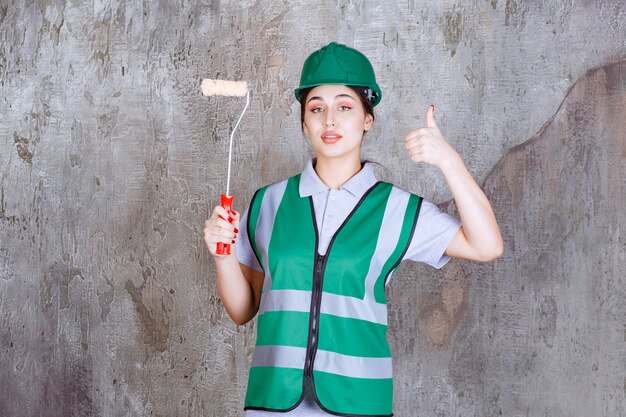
{"x": 110, "y": 159}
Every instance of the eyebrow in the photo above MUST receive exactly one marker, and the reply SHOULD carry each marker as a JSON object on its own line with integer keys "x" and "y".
{"x": 337, "y": 96}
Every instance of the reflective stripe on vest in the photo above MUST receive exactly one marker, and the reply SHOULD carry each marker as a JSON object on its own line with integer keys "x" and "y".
{"x": 324, "y": 318}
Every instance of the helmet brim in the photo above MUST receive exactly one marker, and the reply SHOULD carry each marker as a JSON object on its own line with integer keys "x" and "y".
{"x": 297, "y": 91}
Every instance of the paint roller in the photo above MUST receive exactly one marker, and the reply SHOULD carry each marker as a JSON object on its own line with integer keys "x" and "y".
{"x": 232, "y": 89}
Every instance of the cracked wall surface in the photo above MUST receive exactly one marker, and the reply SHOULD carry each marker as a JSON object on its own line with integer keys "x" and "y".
{"x": 110, "y": 159}
{"x": 542, "y": 330}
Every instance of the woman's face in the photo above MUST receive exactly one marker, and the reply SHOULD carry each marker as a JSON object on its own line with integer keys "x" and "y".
{"x": 334, "y": 121}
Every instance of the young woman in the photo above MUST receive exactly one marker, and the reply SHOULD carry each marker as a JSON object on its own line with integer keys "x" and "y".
{"x": 314, "y": 252}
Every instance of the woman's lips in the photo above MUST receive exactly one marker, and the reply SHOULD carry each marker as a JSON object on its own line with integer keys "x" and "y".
{"x": 330, "y": 137}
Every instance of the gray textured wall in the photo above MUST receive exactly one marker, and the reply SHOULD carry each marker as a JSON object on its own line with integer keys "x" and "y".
{"x": 110, "y": 159}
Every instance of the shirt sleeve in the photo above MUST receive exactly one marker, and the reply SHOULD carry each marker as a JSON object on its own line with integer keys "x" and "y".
{"x": 433, "y": 233}
{"x": 245, "y": 253}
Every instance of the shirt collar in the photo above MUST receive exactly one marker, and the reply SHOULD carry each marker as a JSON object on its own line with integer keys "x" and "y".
{"x": 362, "y": 181}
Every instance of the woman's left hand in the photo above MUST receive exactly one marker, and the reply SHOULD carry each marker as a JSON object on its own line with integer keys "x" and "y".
{"x": 479, "y": 239}
{"x": 427, "y": 144}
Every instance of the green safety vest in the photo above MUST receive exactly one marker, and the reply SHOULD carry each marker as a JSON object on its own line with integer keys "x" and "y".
{"x": 323, "y": 319}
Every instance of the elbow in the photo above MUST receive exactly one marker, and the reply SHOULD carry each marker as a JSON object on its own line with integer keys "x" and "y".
{"x": 498, "y": 251}
{"x": 242, "y": 319}
{"x": 498, "y": 248}
{"x": 239, "y": 322}
{"x": 494, "y": 252}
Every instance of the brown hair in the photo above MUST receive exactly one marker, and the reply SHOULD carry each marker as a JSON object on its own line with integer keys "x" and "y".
{"x": 361, "y": 92}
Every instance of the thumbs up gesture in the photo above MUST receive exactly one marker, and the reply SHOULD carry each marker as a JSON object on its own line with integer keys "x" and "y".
{"x": 427, "y": 144}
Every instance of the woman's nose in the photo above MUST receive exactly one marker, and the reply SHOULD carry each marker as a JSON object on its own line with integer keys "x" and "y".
{"x": 330, "y": 120}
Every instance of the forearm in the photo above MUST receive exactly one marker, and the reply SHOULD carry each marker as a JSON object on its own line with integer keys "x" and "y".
{"x": 234, "y": 289}
{"x": 479, "y": 222}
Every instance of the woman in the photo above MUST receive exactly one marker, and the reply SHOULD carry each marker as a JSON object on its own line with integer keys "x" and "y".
{"x": 315, "y": 251}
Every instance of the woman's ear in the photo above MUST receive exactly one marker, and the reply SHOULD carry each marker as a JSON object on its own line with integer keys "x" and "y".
{"x": 369, "y": 122}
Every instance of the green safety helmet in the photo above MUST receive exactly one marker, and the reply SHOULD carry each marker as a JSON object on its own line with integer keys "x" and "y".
{"x": 338, "y": 64}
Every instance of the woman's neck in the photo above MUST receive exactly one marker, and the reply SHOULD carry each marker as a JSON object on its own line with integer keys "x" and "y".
{"x": 335, "y": 172}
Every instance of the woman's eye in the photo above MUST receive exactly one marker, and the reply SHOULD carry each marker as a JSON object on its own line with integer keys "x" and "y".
{"x": 344, "y": 108}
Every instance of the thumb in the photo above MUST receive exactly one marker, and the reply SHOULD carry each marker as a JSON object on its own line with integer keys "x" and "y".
{"x": 430, "y": 116}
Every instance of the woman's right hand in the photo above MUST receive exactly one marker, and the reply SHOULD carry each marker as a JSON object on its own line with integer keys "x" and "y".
{"x": 221, "y": 227}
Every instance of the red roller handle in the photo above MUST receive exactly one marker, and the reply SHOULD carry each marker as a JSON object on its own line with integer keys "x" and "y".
{"x": 227, "y": 203}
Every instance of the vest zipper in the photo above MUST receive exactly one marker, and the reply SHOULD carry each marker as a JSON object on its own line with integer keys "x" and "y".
{"x": 316, "y": 295}
{"x": 316, "y": 301}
